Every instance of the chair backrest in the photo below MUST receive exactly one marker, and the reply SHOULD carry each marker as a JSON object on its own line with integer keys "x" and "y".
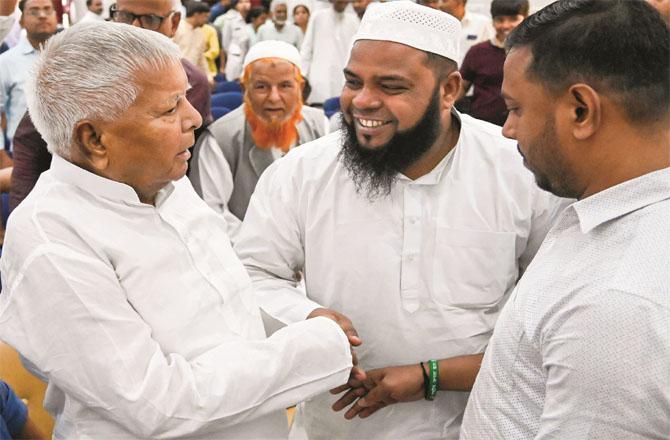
{"x": 217, "y": 112}
{"x": 29, "y": 388}
{"x": 331, "y": 106}
{"x": 228, "y": 86}
{"x": 231, "y": 100}
{"x": 219, "y": 77}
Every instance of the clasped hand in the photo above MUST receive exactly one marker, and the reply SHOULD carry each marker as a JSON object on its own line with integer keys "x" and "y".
{"x": 372, "y": 390}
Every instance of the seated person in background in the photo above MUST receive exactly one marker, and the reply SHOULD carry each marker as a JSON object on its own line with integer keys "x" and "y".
{"x": 483, "y": 64}
{"x": 14, "y": 418}
{"x": 120, "y": 283}
{"x": 278, "y": 28}
{"x": 237, "y": 148}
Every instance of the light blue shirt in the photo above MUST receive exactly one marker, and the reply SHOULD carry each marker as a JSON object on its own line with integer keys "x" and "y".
{"x": 15, "y": 65}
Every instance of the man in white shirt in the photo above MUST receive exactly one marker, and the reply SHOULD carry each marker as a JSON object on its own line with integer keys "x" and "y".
{"x": 325, "y": 50}
{"x": 38, "y": 18}
{"x": 475, "y": 28}
{"x": 582, "y": 347}
{"x": 278, "y": 28}
{"x": 94, "y": 11}
{"x": 119, "y": 283}
{"x": 413, "y": 223}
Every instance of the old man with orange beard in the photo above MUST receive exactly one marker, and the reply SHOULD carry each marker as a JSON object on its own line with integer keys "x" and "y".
{"x": 238, "y": 147}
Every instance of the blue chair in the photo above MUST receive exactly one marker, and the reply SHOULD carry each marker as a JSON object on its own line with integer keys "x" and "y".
{"x": 331, "y": 106}
{"x": 217, "y": 112}
{"x": 219, "y": 77}
{"x": 227, "y": 86}
{"x": 230, "y": 100}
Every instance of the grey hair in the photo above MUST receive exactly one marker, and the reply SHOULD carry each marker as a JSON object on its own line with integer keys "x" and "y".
{"x": 89, "y": 72}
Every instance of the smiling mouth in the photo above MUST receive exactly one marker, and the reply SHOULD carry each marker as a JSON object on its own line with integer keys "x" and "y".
{"x": 371, "y": 123}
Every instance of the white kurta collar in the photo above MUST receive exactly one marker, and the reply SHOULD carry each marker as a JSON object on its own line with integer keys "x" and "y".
{"x": 68, "y": 172}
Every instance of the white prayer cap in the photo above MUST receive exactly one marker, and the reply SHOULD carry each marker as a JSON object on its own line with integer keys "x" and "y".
{"x": 408, "y": 23}
{"x": 273, "y": 49}
{"x": 276, "y": 3}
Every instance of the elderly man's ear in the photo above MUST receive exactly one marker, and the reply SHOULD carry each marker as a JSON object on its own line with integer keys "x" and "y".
{"x": 89, "y": 151}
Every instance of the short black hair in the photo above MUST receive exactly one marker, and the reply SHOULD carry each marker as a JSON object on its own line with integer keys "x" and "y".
{"x": 88, "y": 3}
{"x": 194, "y": 7}
{"x": 501, "y": 8}
{"x": 618, "y": 47}
{"x": 22, "y": 5}
{"x": 254, "y": 13}
{"x": 440, "y": 65}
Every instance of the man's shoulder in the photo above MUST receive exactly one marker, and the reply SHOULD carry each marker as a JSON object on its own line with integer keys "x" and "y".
{"x": 312, "y": 112}
{"x": 229, "y": 125}
{"x": 314, "y": 155}
{"x": 8, "y": 56}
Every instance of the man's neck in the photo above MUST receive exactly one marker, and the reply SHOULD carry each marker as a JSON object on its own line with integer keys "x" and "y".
{"x": 445, "y": 142}
{"x": 631, "y": 153}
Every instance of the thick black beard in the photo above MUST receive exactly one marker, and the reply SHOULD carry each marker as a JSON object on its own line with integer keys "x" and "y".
{"x": 375, "y": 170}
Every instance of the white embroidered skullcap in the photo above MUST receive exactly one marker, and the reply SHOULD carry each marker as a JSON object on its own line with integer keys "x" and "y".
{"x": 276, "y": 3}
{"x": 408, "y": 23}
{"x": 273, "y": 49}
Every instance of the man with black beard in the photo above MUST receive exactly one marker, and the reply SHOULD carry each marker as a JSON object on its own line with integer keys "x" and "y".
{"x": 410, "y": 227}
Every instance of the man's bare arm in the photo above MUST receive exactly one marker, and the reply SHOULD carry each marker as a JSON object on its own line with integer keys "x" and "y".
{"x": 378, "y": 388}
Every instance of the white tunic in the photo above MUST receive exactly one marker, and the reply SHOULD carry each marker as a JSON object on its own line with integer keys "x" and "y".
{"x": 475, "y": 28}
{"x": 325, "y": 52}
{"x": 422, "y": 273}
{"x": 143, "y": 318}
{"x": 582, "y": 348}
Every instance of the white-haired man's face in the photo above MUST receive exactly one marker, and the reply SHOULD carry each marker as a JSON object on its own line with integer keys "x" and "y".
{"x": 147, "y": 146}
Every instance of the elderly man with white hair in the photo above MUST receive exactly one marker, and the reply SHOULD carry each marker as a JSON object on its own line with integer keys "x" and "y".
{"x": 411, "y": 224}
{"x": 119, "y": 282}
{"x": 236, "y": 149}
{"x": 279, "y": 28}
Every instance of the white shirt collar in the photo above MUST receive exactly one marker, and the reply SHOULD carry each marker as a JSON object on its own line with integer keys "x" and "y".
{"x": 25, "y": 47}
{"x": 622, "y": 199}
{"x": 99, "y": 186}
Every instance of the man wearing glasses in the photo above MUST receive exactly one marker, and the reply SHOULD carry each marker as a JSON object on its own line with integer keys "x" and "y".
{"x": 31, "y": 157}
{"x": 38, "y": 18}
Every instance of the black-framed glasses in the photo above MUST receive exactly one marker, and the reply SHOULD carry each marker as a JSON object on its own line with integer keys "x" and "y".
{"x": 147, "y": 21}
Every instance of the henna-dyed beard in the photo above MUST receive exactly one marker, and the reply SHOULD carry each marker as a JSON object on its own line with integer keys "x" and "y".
{"x": 273, "y": 134}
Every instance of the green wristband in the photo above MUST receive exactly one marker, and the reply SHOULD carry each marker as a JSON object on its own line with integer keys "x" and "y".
{"x": 433, "y": 379}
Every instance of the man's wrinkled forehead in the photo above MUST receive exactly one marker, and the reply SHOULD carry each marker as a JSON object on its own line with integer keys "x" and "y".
{"x": 157, "y": 7}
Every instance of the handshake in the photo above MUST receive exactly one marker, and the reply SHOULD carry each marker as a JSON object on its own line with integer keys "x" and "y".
{"x": 369, "y": 391}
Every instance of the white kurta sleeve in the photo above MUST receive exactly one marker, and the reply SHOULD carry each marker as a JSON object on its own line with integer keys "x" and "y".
{"x": 607, "y": 369}
{"x": 216, "y": 182}
{"x": 545, "y": 209}
{"x": 271, "y": 248}
{"x": 307, "y": 48}
{"x": 94, "y": 346}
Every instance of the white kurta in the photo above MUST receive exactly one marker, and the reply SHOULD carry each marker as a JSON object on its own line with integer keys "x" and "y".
{"x": 422, "y": 274}
{"x": 325, "y": 52}
{"x": 582, "y": 348}
{"x": 475, "y": 28}
{"x": 143, "y": 318}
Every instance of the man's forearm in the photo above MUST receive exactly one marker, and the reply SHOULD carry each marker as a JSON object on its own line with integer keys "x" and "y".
{"x": 459, "y": 373}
